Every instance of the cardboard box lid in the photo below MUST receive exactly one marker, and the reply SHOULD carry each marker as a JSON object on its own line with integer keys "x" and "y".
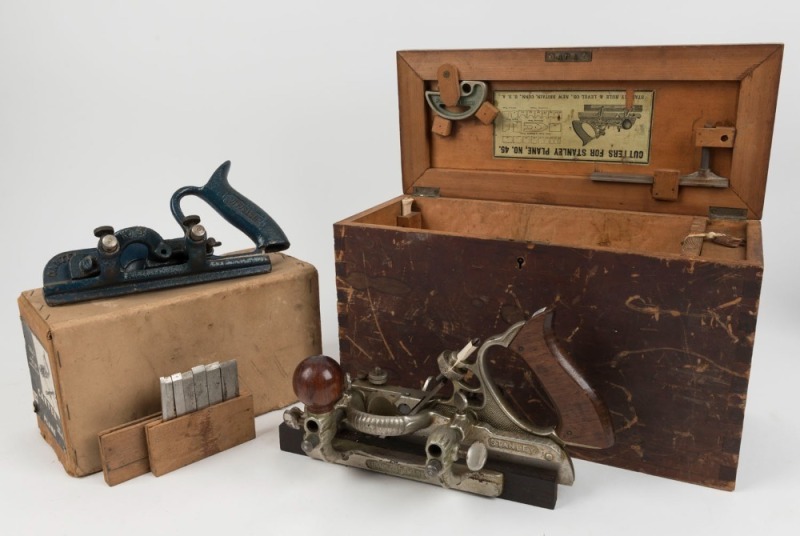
{"x": 688, "y": 96}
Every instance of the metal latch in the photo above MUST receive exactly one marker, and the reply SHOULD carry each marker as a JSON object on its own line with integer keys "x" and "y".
{"x": 425, "y": 191}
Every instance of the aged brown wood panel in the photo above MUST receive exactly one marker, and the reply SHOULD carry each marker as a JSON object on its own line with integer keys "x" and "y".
{"x": 123, "y": 450}
{"x": 695, "y": 85}
{"x": 189, "y": 438}
{"x": 665, "y": 341}
{"x": 700, "y": 63}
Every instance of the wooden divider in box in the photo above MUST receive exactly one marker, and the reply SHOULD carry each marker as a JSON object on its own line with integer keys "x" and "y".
{"x": 651, "y": 301}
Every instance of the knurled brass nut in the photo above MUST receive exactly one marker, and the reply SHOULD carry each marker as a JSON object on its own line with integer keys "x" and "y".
{"x": 197, "y": 232}
{"x": 109, "y": 243}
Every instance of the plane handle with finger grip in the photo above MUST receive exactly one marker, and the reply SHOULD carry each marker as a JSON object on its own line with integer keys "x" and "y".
{"x": 238, "y": 210}
{"x": 584, "y": 420}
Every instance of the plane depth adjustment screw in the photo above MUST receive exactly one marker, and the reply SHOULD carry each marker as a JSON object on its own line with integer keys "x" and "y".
{"x": 197, "y": 232}
{"x": 433, "y": 468}
{"x": 108, "y": 242}
{"x": 87, "y": 263}
{"x": 377, "y": 376}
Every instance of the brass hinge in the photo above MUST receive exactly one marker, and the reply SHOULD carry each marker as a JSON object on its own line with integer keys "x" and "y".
{"x": 426, "y": 191}
{"x": 727, "y": 213}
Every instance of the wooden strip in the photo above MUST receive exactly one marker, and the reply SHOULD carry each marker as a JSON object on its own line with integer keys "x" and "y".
{"x": 487, "y": 113}
{"x": 383, "y": 214}
{"x": 572, "y": 191}
{"x": 758, "y": 99}
{"x": 441, "y": 126}
{"x": 194, "y": 436}
{"x": 629, "y": 93}
{"x": 412, "y": 220}
{"x": 449, "y": 86}
{"x": 414, "y": 148}
{"x": 692, "y": 246}
{"x": 665, "y": 184}
{"x": 123, "y": 450}
{"x": 754, "y": 248}
{"x": 715, "y": 137}
{"x": 699, "y": 63}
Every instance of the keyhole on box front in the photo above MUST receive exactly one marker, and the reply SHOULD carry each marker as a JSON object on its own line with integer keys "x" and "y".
{"x": 520, "y": 262}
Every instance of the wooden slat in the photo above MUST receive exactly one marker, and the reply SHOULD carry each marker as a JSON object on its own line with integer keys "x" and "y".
{"x": 758, "y": 99}
{"x": 754, "y": 247}
{"x": 665, "y": 184}
{"x": 449, "y": 86}
{"x": 412, "y": 220}
{"x": 178, "y": 442}
{"x": 718, "y": 62}
{"x": 572, "y": 191}
{"x": 715, "y": 137}
{"x": 414, "y": 147}
{"x": 693, "y": 246}
{"x": 123, "y": 450}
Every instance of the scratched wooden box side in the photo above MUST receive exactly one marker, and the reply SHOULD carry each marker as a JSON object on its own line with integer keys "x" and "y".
{"x": 666, "y": 342}
{"x": 661, "y": 321}
{"x": 106, "y": 356}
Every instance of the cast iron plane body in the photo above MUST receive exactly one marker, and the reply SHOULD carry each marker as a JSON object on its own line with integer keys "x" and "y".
{"x": 138, "y": 259}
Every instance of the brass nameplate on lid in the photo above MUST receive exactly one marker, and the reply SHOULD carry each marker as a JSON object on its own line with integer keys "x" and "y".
{"x": 567, "y": 55}
{"x": 578, "y": 125}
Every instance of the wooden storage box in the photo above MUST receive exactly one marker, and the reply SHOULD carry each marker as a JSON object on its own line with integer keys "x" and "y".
{"x": 96, "y": 365}
{"x": 531, "y": 213}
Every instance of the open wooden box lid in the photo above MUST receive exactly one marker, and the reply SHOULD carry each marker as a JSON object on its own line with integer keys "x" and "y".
{"x": 612, "y": 128}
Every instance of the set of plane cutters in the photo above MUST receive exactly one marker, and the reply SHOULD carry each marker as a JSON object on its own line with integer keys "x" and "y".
{"x": 198, "y": 388}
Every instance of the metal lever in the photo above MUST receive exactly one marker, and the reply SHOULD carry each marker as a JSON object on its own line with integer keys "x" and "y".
{"x": 237, "y": 210}
{"x": 473, "y": 94}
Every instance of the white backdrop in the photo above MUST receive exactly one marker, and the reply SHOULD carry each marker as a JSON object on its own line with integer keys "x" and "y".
{"x": 107, "y": 107}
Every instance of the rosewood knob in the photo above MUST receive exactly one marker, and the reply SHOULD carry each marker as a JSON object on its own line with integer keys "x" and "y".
{"x": 318, "y": 382}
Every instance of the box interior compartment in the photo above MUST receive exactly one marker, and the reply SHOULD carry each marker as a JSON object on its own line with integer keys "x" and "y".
{"x": 633, "y": 232}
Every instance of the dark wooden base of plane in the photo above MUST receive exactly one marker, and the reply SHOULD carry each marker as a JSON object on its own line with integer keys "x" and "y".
{"x": 529, "y": 485}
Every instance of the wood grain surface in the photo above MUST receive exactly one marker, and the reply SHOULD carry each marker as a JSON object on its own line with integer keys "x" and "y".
{"x": 189, "y": 438}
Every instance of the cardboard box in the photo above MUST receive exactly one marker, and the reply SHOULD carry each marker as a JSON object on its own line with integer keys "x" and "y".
{"x": 578, "y": 196}
{"x": 96, "y": 365}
